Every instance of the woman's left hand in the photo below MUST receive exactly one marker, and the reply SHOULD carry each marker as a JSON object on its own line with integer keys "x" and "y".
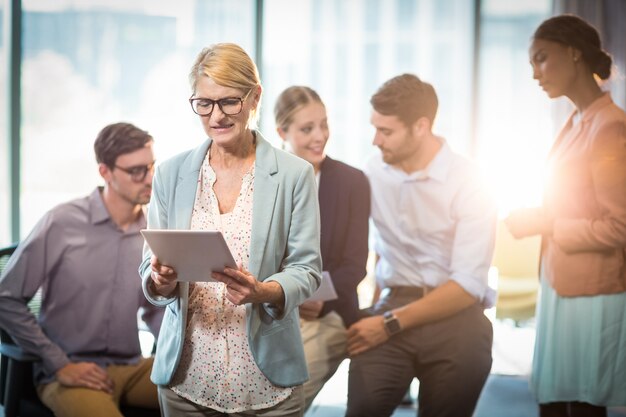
{"x": 242, "y": 287}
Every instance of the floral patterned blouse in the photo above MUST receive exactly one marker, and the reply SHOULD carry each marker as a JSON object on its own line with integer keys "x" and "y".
{"x": 217, "y": 369}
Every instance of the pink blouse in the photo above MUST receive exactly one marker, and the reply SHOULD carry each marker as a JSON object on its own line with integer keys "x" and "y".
{"x": 217, "y": 369}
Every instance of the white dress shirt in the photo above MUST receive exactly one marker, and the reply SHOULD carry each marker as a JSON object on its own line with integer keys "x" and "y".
{"x": 434, "y": 225}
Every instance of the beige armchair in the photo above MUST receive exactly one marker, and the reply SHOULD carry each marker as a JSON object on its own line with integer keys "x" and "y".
{"x": 517, "y": 263}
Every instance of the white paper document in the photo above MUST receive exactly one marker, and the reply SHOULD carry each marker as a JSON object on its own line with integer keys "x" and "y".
{"x": 326, "y": 290}
{"x": 193, "y": 254}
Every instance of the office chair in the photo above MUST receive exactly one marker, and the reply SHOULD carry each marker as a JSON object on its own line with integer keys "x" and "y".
{"x": 17, "y": 389}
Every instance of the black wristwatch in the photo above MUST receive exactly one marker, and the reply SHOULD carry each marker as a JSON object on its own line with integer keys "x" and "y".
{"x": 392, "y": 325}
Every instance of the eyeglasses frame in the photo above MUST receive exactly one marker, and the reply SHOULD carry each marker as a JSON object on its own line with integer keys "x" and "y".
{"x": 129, "y": 171}
{"x": 219, "y": 104}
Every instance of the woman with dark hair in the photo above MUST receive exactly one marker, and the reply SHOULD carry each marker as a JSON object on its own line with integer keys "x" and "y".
{"x": 580, "y": 356}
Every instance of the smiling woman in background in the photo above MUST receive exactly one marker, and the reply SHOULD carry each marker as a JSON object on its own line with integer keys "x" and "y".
{"x": 233, "y": 347}
{"x": 344, "y": 198}
{"x": 579, "y": 365}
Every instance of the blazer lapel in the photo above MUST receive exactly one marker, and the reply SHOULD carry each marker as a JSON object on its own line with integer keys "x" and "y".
{"x": 187, "y": 185}
{"x": 327, "y": 195}
{"x": 570, "y": 130}
{"x": 265, "y": 194}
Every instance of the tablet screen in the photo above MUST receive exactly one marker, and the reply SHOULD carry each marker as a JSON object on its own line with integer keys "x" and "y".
{"x": 193, "y": 254}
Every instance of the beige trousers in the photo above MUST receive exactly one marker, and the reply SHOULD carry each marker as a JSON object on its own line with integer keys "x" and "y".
{"x": 132, "y": 386}
{"x": 325, "y": 347}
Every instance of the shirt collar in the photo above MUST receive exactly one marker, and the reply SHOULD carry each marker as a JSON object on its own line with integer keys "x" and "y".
{"x": 437, "y": 169}
{"x": 100, "y": 214}
{"x": 440, "y": 165}
{"x": 97, "y": 209}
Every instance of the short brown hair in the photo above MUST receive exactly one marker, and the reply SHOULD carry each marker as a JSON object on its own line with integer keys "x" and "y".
{"x": 118, "y": 139}
{"x": 408, "y": 98}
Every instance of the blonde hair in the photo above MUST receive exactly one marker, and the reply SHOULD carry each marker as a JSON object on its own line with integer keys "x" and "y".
{"x": 290, "y": 101}
{"x": 228, "y": 65}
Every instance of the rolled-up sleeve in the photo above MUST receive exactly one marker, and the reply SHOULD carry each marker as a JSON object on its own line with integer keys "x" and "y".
{"x": 474, "y": 241}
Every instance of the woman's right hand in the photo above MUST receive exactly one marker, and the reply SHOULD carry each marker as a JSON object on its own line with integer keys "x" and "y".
{"x": 164, "y": 278}
{"x": 311, "y": 310}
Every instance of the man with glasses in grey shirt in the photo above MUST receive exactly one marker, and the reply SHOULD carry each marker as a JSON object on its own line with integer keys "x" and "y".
{"x": 84, "y": 255}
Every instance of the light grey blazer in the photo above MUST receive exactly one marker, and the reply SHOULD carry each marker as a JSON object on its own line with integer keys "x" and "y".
{"x": 284, "y": 247}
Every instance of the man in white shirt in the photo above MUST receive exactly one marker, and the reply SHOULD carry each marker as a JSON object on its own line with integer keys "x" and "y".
{"x": 434, "y": 239}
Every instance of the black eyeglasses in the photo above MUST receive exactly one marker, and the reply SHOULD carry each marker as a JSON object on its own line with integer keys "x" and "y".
{"x": 137, "y": 173}
{"x": 230, "y": 106}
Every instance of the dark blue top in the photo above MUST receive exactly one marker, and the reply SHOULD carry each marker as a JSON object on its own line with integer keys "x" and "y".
{"x": 344, "y": 195}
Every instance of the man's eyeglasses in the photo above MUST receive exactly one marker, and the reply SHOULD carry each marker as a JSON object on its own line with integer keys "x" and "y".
{"x": 137, "y": 173}
{"x": 230, "y": 106}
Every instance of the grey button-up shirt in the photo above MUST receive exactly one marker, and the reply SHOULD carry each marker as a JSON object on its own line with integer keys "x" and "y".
{"x": 91, "y": 292}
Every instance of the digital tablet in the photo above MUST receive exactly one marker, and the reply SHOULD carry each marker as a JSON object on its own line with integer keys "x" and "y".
{"x": 193, "y": 254}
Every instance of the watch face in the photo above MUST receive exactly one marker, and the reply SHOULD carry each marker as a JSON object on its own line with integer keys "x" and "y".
{"x": 392, "y": 326}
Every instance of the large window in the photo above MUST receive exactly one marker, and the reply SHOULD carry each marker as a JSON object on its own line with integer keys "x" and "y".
{"x": 346, "y": 49}
{"x": 5, "y": 200}
{"x": 89, "y": 63}
{"x": 515, "y": 127}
